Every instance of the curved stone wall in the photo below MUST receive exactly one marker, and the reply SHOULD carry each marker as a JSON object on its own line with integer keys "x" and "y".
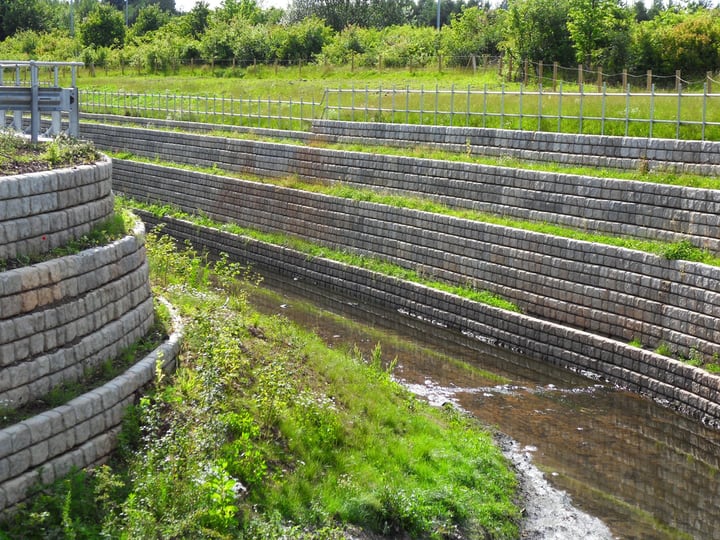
{"x": 64, "y": 316}
{"x": 44, "y": 210}
{"x": 607, "y": 206}
{"x": 81, "y": 433}
{"x": 61, "y": 317}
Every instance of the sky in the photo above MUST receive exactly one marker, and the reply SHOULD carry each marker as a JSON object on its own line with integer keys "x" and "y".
{"x": 187, "y": 5}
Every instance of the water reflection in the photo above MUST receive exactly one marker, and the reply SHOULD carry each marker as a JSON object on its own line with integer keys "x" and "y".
{"x": 646, "y": 471}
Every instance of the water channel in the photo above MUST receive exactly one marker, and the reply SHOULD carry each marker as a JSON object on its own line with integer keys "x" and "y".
{"x": 646, "y": 471}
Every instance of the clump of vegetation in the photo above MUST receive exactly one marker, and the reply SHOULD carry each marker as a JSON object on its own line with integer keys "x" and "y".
{"x": 265, "y": 432}
{"x": 18, "y": 155}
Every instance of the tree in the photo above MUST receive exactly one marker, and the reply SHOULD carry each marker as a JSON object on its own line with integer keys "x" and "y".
{"x": 597, "y": 28}
{"x": 197, "y": 19}
{"x": 104, "y": 27}
{"x": 338, "y": 14}
{"x": 472, "y": 31}
{"x": 149, "y": 19}
{"x": 16, "y": 15}
{"x": 537, "y": 30}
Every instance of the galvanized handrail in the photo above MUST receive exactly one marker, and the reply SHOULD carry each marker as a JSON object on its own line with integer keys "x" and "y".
{"x": 19, "y": 98}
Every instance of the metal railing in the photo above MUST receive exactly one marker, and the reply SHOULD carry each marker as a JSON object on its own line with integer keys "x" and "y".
{"x": 651, "y": 114}
{"x": 676, "y": 115}
{"x": 35, "y": 98}
{"x": 251, "y": 112}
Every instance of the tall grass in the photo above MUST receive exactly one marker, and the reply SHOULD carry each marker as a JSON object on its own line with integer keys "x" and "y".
{"x": 271, "y": 98}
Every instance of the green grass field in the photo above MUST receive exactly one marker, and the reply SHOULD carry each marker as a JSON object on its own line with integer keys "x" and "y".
{"x": 288, "y": 97}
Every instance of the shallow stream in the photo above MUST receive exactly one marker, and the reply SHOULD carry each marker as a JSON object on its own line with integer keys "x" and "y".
{"x": 644, "y": 470}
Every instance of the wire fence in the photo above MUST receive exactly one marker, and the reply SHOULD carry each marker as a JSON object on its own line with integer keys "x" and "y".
{"x": 654, "y": 114}
{"x": 250, "y": 112}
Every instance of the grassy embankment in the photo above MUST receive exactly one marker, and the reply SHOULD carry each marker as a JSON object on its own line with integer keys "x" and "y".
{"x": 265, "y": 432}
{"x": 505, "y": 106}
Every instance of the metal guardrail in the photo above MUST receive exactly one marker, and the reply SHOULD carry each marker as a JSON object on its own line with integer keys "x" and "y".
{"x": 21, "y": 99}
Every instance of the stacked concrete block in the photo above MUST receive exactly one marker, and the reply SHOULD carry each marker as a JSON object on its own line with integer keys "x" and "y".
{"x": 614, "y": 292}
{"x": 79, "y": 434}
{"x": 690, "y": 390}
{"x": 65, "y": 316}
{"x": 700, "y": 157}
{"x": 606, "y": 206}
{"x": 41, "y": 211}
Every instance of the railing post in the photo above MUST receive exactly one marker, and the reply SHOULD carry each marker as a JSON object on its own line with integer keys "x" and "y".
{"x": 652, "y": 110}
{"x": 34, "y": 104}
{"x": 539, "y": 108}
{"x": 559, "y": 125}
{"x": 679, "y": 101}
{"x": 17, "y": 115}
{"x": 704, "y": 109}
{"x": 602, "y": 109}
{"x": 540, "y": 73}
{"x": 627, "y": 110}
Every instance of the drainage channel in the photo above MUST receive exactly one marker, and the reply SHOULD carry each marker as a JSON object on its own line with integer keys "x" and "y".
{"x": 644, "y": 470}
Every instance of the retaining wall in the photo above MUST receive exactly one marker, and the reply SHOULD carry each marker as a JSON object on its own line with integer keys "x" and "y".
{"x": 700, "y": 157}
{"x": 621, "y": 294}
{"x": 41, "y": 211}
{"x": 61, "y": 317}
{"x": 607, "y": 206}
{"x": 81, "y": 433}
{"x": 690, "y": 390}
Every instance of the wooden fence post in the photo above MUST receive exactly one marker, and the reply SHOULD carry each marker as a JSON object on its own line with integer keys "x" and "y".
{"x": 525, "y": 72}
{"x": 648, "y": 84}
{"x": 708, "y": 79}
{"x": 555, "y": 75}
{"x": 540, "y": 73}
{"x": 500, "y": 66}
{"x": 581, "y": 76}
{"x": 624, "y": 78}
{"x": 678, "y": 81}
{"x": 599, "y": 79}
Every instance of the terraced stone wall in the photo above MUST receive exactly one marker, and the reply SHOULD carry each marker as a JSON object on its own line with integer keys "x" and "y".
{"x": 62, "y": 317}
{"x": 618, "y": 293}
{"x": 688, "y": 389}
{"x": 701, "y": 157}
{"x": 607, "y": 206}
{"x": 41, "y": 211}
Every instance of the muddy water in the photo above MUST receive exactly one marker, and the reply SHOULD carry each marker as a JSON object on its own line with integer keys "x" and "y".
{"x": 647, "y": 472}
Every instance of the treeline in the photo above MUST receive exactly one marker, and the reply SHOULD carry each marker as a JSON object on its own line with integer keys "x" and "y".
{"x": 151, "y": 36}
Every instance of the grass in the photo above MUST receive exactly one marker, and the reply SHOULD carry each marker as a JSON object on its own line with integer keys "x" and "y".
{"x": 265, "y": 432}
{"x": 381, "y": 96}
{"x": 18, "y": 155}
